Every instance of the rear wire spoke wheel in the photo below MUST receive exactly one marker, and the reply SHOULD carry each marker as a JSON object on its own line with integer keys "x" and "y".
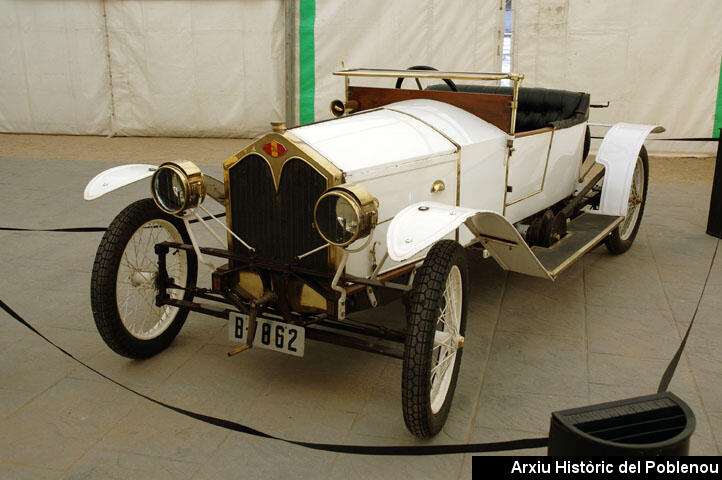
{"x": 123, "y": 283}
{"x": 436, "y": 322}
{"x": 622, "y": 237}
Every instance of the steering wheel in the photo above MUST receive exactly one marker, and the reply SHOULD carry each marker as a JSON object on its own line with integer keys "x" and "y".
{"x": 448, "y": 81}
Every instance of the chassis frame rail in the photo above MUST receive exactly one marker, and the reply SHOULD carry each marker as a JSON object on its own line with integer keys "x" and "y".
{"x": 361, "y": 336}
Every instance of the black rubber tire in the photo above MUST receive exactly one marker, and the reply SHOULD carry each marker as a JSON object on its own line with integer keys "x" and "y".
{"x": 425, "y": 304}
{"x": 103, "y": 298}
{"x": 614, "y": 242}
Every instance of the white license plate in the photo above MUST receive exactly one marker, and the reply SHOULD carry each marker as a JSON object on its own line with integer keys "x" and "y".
{"x": 270, "y": 334}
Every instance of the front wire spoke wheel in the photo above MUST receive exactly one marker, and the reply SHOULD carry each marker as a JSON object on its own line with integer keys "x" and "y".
{"x": 136, "y": 280}
{"x": 124, "y": 281}
{"x": 446, "y": 338}
{"x": 436, "y": 321}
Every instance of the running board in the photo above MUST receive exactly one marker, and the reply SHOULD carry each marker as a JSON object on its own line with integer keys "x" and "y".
{"x": 509, "y": 249}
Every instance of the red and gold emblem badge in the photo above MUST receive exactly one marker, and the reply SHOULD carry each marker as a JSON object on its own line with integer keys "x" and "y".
{"x": 274, "y": 149}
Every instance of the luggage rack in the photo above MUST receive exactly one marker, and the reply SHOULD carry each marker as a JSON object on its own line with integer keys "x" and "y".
{"x": 516, "y": 79}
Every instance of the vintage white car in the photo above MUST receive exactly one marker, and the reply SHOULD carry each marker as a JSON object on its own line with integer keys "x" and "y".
{"x": 384, "y": 202}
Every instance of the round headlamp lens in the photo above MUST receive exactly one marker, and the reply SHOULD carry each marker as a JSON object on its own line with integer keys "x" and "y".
{"x": 337, "y": 219}
{"x": 169, "y": 189}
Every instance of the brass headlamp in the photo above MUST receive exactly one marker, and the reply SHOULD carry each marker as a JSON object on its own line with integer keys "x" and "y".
{"x": 178, "y": 186}
{"x": 345, "y": 214}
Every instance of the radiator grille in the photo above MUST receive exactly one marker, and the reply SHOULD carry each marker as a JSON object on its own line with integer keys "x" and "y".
{"x": 279, "y": 225}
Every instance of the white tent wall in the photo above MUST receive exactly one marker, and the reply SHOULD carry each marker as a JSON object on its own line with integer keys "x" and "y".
{"x": 655, "y": 61}
{"x": 196, "y": 68}
{"x": 216, "y": 67}
{"x": 53, "y": 67}
{"x": 446, "y": 35}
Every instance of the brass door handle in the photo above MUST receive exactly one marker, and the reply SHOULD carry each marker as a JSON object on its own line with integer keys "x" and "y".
{"x": 438, "y": 186}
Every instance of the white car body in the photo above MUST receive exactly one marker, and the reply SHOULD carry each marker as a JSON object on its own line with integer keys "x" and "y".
{"x": 422, "y": 173}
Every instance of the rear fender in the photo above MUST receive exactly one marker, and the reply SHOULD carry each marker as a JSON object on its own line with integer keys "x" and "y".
{"x": 618, "y": 153}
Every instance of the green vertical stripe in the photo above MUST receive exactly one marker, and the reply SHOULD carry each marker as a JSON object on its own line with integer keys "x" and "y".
{"x": 307, "y": 61}
{"x": 718, "y": 110}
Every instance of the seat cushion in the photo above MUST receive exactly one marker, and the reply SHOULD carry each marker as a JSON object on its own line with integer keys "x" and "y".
{"x": 538, "y": 107}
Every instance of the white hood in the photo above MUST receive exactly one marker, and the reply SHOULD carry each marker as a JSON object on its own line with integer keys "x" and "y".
{"x": 393, "y": 135}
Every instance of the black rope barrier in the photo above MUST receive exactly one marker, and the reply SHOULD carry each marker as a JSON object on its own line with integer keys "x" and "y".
{"x": 399, "y": 450}
{"x": 329, "y": 447}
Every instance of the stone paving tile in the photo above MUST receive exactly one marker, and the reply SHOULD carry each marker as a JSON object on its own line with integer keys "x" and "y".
{"x": 522, "y": 411}
{"x": 299, "y": 420}
{"x": 146, "y": 373}
{"x": 12, "y": 332}
{"x": 716, "y": 421}
{"x": 75, "y": 414}
{"x": 154, "y": 431}
{"x": 695, "y": 247}
{"x": 401, "y": 467}
{"x": 707, "y": 375}
{"x": 703, "y": 352}
{"x": 641, "y": 373}
{"x": 328, "y": 376}
{"x": 85, "y": 344}
{"x": 705, "y": 342}
{"x": 611, "y": 280}
{"x": 673, "y": 218}
{"x": 466, "y": 467}
{"x": 214, "y": 384}
{"x": 710, "y": 308}
{"x": 536, "y": 364}
{"x": 123, "y": 465}
{"x": 632, "y": 332}
{"x": 689, "y": 273}
{"x": 32, "y": 365}
{"x": 242, "y": 456}
{"x": 682, "y": 299}
{"x": 534, "y": 305}
{"x": 11, "y": 400}
{"x": 10, "y": 471}
{"x": 488, "y": 435}
{"x": 382, "y": 416}
{"x": 715, "y": 277}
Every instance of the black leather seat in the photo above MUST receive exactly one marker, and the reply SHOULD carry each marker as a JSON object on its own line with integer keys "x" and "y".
{"x": 538, "y": 107}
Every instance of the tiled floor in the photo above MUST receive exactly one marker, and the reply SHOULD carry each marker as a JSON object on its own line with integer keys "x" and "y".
{"x": 604, "y": 331}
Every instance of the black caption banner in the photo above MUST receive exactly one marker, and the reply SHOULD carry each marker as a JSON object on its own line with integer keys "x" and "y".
{"x": 598, "y": 467}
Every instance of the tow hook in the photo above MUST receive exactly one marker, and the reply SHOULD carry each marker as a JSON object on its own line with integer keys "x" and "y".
{"x": 254, "y": 306}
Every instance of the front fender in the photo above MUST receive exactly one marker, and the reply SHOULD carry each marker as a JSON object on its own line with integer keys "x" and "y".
{"x": 420, "y": 225}
{"x": 116, "y": 177}
{"x": 618, "y": 153}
